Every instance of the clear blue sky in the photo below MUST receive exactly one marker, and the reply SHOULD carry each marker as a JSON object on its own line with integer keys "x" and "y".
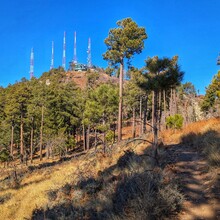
{"x": 188, "y": 28}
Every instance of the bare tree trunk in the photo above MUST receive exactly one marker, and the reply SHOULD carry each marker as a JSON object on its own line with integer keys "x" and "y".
{"x": 141, "y": 131}
{"x": 186, "y": 118}
{"x": 104, "y": 142}
{"x": 32, "y": 137}
{"x": 22, "y": 139}
{"x": 133, "y": 123}
{"x": 153, "y": 110}
{"x": 160, "y": 112}
{"x": 41, "y": 131}
{"x": 155, "y": 125}
{"x": 174, "y": 100}
{"x": 164, "y": 108}
{"x": 95, "y": 139}
{"x": 88, "y": 136}
{"x": 104, "y": 134}
{"x": 171, "y": 101}
{"x": 120, "y": 101}
{"x": 12, "y": 140}
{"x": 84, "y": 138}
{"x": 145, "y": 115}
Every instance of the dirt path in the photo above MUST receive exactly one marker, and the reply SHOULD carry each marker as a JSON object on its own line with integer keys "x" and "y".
{"x": 191, "y": 171}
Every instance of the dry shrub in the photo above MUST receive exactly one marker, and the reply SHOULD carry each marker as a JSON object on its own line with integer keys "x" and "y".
{"x": 5, "y": 198}
{"x": 146, "y": 197}
{"x": 205, "y": 136}
{"x": 210, "y": 143}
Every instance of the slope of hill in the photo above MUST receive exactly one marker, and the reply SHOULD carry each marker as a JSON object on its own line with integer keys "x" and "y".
{"x": 81, "y": 77}
{"x": 123, "y": 183}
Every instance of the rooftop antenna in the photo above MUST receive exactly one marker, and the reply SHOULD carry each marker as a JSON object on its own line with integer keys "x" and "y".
{"x": 32, "y": 63}
{"x": 52, "y": 57}
{"x": 64, "y": 51}
{"x": 89, "y": 58}
{"x": 74, "y": 50}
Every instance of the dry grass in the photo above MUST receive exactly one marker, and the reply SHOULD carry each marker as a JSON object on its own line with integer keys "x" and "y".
{"x": 34, "y": 187}
{"x": 190, "y": 131}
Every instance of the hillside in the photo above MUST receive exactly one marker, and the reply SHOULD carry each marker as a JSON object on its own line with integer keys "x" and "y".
{"x": 81, "y": 78}
{"x": 121, "y": 183}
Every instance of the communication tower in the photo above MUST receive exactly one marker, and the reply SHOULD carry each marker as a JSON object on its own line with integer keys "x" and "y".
{"x": 52, "y": 57}
{"x": 218, "y": 59}
{"x": 64, "y": 51}
{"x": 74, "y": 50}
{"x": 89, "y": 58}
{"x": 32, "y": 63}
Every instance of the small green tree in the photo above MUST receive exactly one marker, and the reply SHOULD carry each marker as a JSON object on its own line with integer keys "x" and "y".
{"x": 212, "y": 95}
{"x": 174, "y": 121}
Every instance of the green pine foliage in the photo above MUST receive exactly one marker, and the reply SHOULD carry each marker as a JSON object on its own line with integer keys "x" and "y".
{"x": 212, "y": 96}
{"x": 174, "y": 121}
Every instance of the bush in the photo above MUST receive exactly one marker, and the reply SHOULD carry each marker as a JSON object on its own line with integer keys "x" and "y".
{"x": 109, "y": 136}
{"x": 174, "y": 121}
{"x": 5, "y": 155}
{"x": 144, "y": 195}
{"x": 210, "y": 142}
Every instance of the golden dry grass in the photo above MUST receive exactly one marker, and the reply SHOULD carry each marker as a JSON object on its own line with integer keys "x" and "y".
{"x": 33, "y": 189}
{"x": 201, "y": 127}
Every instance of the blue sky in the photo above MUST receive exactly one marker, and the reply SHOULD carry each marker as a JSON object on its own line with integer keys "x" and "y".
{"x": 187, "y": 28}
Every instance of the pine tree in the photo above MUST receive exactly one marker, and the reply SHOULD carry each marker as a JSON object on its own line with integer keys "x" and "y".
{"x": 122, "y": 43}
{"x": 161, "y": 74}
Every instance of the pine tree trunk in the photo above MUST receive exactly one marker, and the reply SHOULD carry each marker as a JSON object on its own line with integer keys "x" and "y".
{"x": 160, "y": 111}
{"x": 155, "y": 125}
{"x": 22, "y": 139}
{"x": 153, "y": 110}
{"x": 95, "y": 139}
{"x": 12, "y": 140}
{"x": 145, "y": 115}
{"x": 120, "y": 102}
{"x": 133, "y": 123}
{"x": 174, "y": 101}
{"x": 164, "y": 108}
{"x": 41, "y": 131}
{"x": 84, "y": 137}
{"x": 32, "y": 137}
{"x": 104, "y": 134}
{"x": 88, "y": 136}
{"x": 104, "y": 142}
{"x": 171, "y": 101}
{"x": 141, "y": 131}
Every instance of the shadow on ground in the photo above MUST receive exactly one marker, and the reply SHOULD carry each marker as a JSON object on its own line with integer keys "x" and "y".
{"x": 193, "y": 163}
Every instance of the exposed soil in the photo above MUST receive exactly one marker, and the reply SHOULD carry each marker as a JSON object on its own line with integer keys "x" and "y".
{"x": 200, "y": 187}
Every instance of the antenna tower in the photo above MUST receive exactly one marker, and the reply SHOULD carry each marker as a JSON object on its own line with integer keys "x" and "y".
{"x": 89, "y": 58}
{"x": 32, "y": 63}
{"x": 52, "y": 57}
{"x": 74, "y": 50}
{"x": 218, "y": 59}
{"x": 64, "y": 51}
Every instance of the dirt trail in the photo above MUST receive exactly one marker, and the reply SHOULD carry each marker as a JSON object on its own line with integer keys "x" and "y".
{"x": 191, "y": 171}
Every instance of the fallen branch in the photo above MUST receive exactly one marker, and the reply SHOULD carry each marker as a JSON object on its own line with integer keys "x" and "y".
{"x": 138, "y": 139}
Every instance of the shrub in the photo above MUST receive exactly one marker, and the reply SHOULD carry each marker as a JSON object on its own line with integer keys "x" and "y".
{"x": 5, "y": 198}
{"x": 110, "y": 136}
{"x": 144, "y": 195}
{"x": 4, "y": 155}
{"x": 174, "y": 121}
{"x": 210, "y": 142}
